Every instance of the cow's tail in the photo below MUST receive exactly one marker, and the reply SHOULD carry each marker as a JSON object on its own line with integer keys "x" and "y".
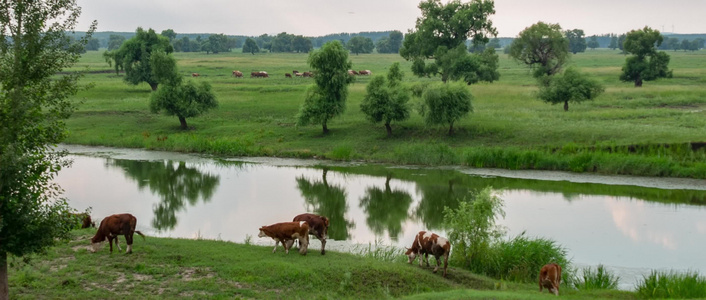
{"x": 140, "y": 233}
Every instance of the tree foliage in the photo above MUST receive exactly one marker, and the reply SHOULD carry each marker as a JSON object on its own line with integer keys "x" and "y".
{"x": 386, "y": 99}
{"x": 571, "y": 86}
{"x": 115, "y": 41}
{"x": 327, "y": 98}
{"x": 577, "y": 41}
{"x": 250, "y": 46}
{"x": 445, "y": 104}
{"x": 216, "y": 43}
{"x": 134, "y": 56}
{"x": 390, "y": 44}
{"x": 169, "y": 33}
{"x": 541, "y": 46}
{"x": 593, "y": 42}
{"x": 184, "y": 100}
{"x": 646, "y": 63}
{"x": 442, "y": 30}
{"x": 34, "y": 102}
{"x": 359, "y": 44}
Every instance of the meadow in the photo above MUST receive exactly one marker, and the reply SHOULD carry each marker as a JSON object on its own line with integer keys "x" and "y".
{"x": 627, "y": 130}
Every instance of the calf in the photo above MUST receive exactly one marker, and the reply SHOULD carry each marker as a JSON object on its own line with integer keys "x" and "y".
{"x": 111, "y": 227}
{"x": 237, "y": 73}
{"x": 85, "y": 220}
{"x": 286, "y": 233}
{"x": 195, "y": 75}
{"x": 318, "y": 227}
{"x": 287, "y": 75}
{"x": 429, "y": 243}
{"x": 550, "y": 278}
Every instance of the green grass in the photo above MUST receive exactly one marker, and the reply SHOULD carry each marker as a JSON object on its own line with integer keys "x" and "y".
{"x": 170, "y": 268}
{"x": 597, "y": 279}
{"x": 662, "y": 284}
{"x": 509, "y": 128}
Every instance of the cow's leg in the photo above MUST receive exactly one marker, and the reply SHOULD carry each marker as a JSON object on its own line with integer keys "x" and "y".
{"x": 289, "y": 244}
{"x": 323, "y": 245}
{"x": 286, "y": 245}
{"x": 446, "y": 263}
{"x": 438, "y": 264}
{"x": 303, "y": 244}
{"x": 421, "y": 258}
{"x": 426, "y": 259}
{"x": 275, "y": 249}
{"x": 128, "y": 240}
{"x": 110, "y": 241}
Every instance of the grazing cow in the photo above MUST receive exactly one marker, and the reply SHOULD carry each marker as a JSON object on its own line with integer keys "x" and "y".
{"x": 195, "y": 75}
{"x": 259, "y": 74}
{"x": 308, "y": 74}
{"x": 286, "y": 233}
{"x": 111, "y": 227}
{"x": 352, "y": 72}
{"x": 287, "y": 75}
{"x": 318, "y": 227}
{"x": 237, "y": 74}
{"x": 365, "y": 72}
{"x": 426, "y": 243}
{"x": 295, "y": 72}
{"x": 298, "y": 74}
{"x": 550, "y": 278}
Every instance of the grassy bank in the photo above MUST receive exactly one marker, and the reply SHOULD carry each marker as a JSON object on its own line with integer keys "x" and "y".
{"x": 180, "y": 268}
{"x": 638, "y": 131}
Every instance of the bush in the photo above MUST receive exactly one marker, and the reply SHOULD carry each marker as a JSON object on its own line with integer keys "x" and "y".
{"x": 521, "y": 258}
{"x": 600, "y": 279}
{"x": 660, "y": 284}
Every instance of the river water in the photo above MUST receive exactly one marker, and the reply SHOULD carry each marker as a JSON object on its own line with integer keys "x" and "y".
{"x": 632, "y": 225}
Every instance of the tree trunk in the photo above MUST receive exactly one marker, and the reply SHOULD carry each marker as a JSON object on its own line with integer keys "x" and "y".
{"x": 182, "y": 120}
{"x": 325, "y": 128}
{"x": 4, "y": 288}
{"x": 389, "y": 129}
{"x": 451, "y": 128}
{"x": 638, "y": 82}
{"x": 566, "y": 105}
{"x": 153, "y": 86}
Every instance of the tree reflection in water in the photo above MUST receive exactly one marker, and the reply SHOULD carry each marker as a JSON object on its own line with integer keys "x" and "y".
{"x": 437, "y": 196}
{"x": 386, "y": 209}
{"x": 327, "y": 200}
{"x": 174, "y": 182}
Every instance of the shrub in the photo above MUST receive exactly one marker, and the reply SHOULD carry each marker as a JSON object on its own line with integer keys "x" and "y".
{"x": 600, "y": 279}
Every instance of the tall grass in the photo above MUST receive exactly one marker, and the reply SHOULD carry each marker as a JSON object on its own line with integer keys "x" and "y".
{"x": 598, "y": 279}
{"x": 663, "y": 284}
{"x": 520, "y": 259}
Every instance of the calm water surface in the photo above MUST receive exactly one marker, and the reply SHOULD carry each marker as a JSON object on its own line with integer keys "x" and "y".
{"x": 632, "y": 225}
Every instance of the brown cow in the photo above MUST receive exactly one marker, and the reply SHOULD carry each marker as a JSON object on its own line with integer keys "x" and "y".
{"x": 308, "y": 74}
{"x": 286, "y": 233}
{"x": 195, "y": 75}
{"x": 259, "y": 74}
{"x": 318, "y": 227}
{"x": 365, "y": 72}
{"x": 426, "y": 243}
{"x": 85, "y": 219}
{"x": 111, "y": 227}
{"x": 352, "y": 72}
{"x": 550, "y": 278}
{"x": 287, "y": 75}
{"x": 237, "y": 74}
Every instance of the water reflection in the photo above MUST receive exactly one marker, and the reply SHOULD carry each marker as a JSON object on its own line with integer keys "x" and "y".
{"x": 386, "y": 209}
{"x": 173, "y": 181}
{"x": 327, "y": 200}
{"x": 436, "y": 196}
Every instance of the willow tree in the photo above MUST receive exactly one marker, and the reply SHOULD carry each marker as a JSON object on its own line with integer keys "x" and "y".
{"x": 543, "y": 47}
{"x": 34, "y": 102}
{"x": 437, "y": 45}
{"x": 327, "y": 98}
{"x": 386, "y": 99}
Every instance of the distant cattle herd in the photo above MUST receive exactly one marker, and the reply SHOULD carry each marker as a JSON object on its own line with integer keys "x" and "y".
{"x": 295, "y": 73}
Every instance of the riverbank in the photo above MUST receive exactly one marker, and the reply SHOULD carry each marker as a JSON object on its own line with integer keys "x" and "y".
{"x": 182, "y": 268}
{"x": 650, "y": 131}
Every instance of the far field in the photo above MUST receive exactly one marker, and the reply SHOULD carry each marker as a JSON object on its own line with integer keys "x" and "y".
{"x": 256, "y": 116}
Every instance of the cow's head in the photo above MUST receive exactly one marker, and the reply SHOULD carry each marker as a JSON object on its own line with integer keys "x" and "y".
{"x": 262, "y": 233}
{"x": 411, "y": 255}
{"x": 326, "y": 224}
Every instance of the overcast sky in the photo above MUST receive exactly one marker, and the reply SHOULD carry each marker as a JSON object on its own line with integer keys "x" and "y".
{"x": 321, "y": 17}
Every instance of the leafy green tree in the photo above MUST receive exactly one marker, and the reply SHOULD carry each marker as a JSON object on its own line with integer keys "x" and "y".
{"x": 301, "y": 44}
{"x": 115, "y": 41}
{"x": 621, "y": 42}
{"x": 360, "y": 44}
{"x": 671, "y": 43}
{"x": 593, "y": 42}
{"x": 35, "y": 99}
{"x": 442, "y": 29}
{"x": 494, "y": 43}
{"x": 327, "y": 98}
{"x": 282, "y": 43}
{"x": 395, "y": 41}
{"x": 541, "y": 46}
{"x": 134, "y": 56}
{"x": 646, "y": 63}
{"x": 445, "y": 104}
{"x": 183, "y": 100}
{"x": 571, "y": 86}
{"x": 93, "y": 44}
{"x": 577, "y": 41}
{"x": 613, "y": 42}
{"x": 216, "y": 43}
{"x": 264, "y": 41}
{"x": 383, "y": 45}
{"x": 169, "y": 33}
{"x": 386, "y": 100}
{"x": 250, "y": 46}
{"x": 685, "y": 44}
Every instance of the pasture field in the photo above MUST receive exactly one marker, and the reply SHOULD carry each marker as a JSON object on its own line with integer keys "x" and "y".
{"x": 626, "y": 130}
{"x": 162, "y": 268}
